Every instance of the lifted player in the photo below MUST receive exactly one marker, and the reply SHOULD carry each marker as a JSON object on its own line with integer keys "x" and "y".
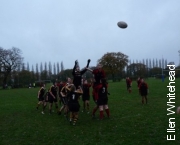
{"x": 77, "y": 74}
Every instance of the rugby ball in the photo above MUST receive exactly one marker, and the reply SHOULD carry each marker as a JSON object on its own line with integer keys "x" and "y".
{"x": 122, "y": 24}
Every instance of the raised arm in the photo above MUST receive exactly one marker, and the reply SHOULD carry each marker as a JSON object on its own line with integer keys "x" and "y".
{"x": 88, "y": 63}
{"x": 75, "y": 65}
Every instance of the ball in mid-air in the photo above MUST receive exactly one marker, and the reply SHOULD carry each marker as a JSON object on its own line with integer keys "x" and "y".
{"x": 122, "y": 24}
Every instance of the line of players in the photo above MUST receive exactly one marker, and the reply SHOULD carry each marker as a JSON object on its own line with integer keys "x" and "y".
{"x": 69, "y": 93}
{"x": 142, "y": 87}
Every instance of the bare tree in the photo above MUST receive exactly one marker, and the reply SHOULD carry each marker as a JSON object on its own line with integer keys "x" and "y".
{"x": 147, "y": 63}
{"x": 28, "y": 69}
{"x": 54, "y": 68}
{"x": 150, "y": 64}
{"x": 153, "y": 65}
{"x": 58, "y": 70}
{"x": 137, "y": 69}
{"x": 50, "y": 69}
{"x": 10, "y": 59}
{"x": 160, "y": 63}
{"x": 37, "y": 72}
{"x": 163, "y": 63}
{"x": 62, "y": 66}
{"x": 41, "y": 67}
{"x": 156, "y": 63}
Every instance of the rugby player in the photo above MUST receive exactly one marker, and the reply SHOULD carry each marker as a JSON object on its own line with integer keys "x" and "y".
{"x": 86, "y": 95}
{"x": 77, "y": 74}
{"x": 143, "y": 88}
{"x": 98, "y": 74}
{"x": 40, "y": 96}
{"x": 102, "y": 100}
{"x": 53, "y": 97}
{"x": 73, "y": 103}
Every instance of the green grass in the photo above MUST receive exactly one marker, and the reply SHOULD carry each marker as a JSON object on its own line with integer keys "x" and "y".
{"x": 131, "y": 123}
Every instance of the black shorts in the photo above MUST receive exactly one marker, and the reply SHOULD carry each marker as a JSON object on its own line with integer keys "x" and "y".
{"x": 128, "y": 87}
{"x": 73, "y": 107}
{"x": 102, "y": 101}
{"x": 41, "y": 98}
{"x": 85, "y": 97}
{"x": 51, "y": 99}
{"x": 143, "y": 93}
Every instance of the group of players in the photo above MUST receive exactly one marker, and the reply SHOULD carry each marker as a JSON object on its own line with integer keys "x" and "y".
{"x": 142, "y": 87}
{"x": 69, "y": 93}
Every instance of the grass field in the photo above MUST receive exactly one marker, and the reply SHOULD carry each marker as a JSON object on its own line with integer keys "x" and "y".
{"x": 131, "y": 123}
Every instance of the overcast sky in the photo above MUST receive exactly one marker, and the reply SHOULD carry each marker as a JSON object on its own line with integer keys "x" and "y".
{"x": 66, "y": 30}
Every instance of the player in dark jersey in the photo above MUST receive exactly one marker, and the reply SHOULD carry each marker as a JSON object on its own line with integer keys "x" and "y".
{"x": 77, "y": 74}
{"x": 143, "y": 87}
{"x": 40, "y": 96}
{"x": 102, "y": 100}
{"x": 60, "y": 86}
{"x": 46, "y": 97}
{"x": 86, "y": 95}
{"x": 129, "y": 84}
{"x": 64, "y": 98}
{"x": 53, "y": 97}
{"x": 73, "y": 103}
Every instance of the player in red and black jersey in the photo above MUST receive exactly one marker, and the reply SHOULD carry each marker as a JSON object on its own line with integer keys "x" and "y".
{"x": 98, "y": 74}
{"x": 40, "y": 96}
{"x": 138, "y": 83}
{"x": 86, "y": 95}
{"x": 95, "y": 97}
{"x": 102, "y": 100}
{"x": 73, "y": 102}
{"x": 129, "y": 84}
{"x": 77, "y": 74}
{"x": 143, "y": 88}
{"x": 53, "y": 97}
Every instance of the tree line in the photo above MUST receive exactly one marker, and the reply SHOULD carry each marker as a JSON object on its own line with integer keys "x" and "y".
{"x": 117, "y": 65}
